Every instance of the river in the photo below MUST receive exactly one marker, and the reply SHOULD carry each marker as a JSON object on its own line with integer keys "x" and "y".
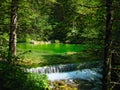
{"x": 70, "y": 72}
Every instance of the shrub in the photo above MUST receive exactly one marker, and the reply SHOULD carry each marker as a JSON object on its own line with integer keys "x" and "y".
{"x": 14, "y": 77}
{"x": 36, "y": 82}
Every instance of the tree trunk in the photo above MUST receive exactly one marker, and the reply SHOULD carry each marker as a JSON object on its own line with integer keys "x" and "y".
{"x": 107, "y": 49}
{"x": 12, "y": 40}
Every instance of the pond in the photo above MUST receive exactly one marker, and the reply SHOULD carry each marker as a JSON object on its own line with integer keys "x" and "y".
{"x": 52, "y": 48}
{"x": 51, "y": 54}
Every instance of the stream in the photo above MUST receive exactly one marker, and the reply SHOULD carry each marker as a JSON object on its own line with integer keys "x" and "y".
{"x": 70, "y": 72}
{"x": 85, "y": 74}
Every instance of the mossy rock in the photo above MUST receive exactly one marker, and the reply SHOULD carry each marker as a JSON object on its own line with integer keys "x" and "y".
{"x": 60, "y": 83}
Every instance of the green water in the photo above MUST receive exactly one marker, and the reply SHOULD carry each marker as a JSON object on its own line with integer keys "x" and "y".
{"x": 52, "y": 48}
{"x": 51, "y": 54}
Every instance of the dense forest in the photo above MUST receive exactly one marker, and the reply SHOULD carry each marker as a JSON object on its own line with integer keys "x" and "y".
{"x": 82, "y": 22}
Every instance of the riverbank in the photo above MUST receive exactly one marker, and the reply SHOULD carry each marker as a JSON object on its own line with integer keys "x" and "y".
{"x": 71, "y": 85}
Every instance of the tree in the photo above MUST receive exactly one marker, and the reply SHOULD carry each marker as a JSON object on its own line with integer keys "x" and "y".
{"x": 12, "y": 40}
{"x": 107, "y": 49}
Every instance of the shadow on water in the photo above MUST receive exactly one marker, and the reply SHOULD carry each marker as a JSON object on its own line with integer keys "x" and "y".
{"x": 70, "y": 57}
{"x": 53, "y": 54}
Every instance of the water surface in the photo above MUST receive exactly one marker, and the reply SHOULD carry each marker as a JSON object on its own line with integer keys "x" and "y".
{"x": 51, "y": 48}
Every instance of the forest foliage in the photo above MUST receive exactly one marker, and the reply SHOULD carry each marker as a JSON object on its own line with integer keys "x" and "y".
{"x": 68, "y": 21}
{"x": 73, "y": 21}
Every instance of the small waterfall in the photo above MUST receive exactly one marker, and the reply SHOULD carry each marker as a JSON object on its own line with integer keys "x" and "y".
{"x": 72, "y": 72}
{"x": 62, "y": 68}
{"x": 54, "y": 69}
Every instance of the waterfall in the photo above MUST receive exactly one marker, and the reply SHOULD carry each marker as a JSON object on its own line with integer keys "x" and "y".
{"x": 73, "y": 72}
{"x": 54, "y": 69}
{"x": 62, "y": 68}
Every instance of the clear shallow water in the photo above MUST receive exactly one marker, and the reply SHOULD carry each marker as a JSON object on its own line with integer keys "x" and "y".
{"x": 62, "y": 72}
{"x": 85, "y": 74}
{"x": 68, "y": 71}
{"x": 93, "y": 76}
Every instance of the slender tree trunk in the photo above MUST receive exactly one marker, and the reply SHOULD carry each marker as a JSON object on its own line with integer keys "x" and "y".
{"x": 12, "y": 39}
{"x": 107, "y": 49}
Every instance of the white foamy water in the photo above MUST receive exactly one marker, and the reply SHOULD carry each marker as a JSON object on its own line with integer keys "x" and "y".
{"x": 85, "y": 74}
